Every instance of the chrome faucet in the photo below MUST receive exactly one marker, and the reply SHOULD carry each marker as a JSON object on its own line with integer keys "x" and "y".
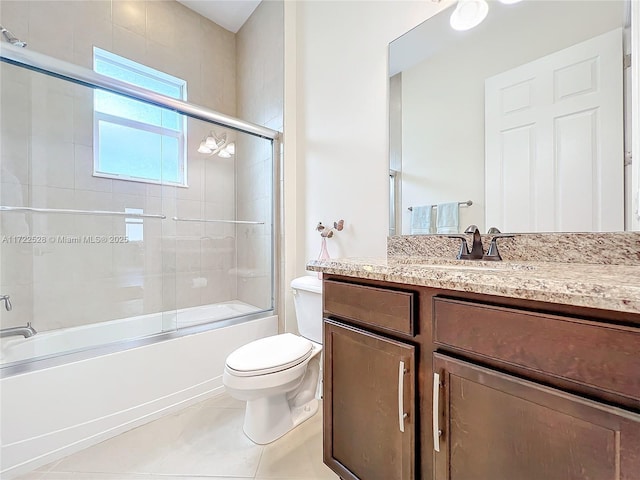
{"x": 7, "y": 302}
{"x": 26, "y": 332}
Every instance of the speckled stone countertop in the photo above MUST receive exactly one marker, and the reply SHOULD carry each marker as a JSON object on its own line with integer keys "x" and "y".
{"x": 604, "y": 286}
{"x": 614, "y": 248}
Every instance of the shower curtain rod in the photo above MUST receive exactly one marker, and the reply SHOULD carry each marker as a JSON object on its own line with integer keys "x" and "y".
{"x": 68, "y": 71}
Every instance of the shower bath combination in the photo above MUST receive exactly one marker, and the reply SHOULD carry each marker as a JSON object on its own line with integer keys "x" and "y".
{"x": 11, "y": 38}
{"x": 195, "y": 279}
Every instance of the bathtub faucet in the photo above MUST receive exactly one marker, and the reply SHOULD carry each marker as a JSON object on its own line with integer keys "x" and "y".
{"x": 26, "y": 332}
{"x": 7, "y": 302}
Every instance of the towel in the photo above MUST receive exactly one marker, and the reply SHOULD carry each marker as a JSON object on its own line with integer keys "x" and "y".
{"x": 448, "y": 218}
{"x": 421, "y": 222}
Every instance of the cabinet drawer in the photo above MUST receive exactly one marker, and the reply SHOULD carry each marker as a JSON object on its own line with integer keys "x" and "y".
{"x": 380, "y": 307}
{"x": 595, "y": 354}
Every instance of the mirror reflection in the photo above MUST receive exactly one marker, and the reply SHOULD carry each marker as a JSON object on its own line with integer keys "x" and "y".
{"x": 516, "y": 124}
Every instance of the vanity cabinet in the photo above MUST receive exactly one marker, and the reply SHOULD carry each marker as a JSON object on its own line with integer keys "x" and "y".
{"x": 371, "y": 404}
{"x": 369, "y": 378}
{"x": 488, "y": 424}
{"x": 497, "y": 426}
{"x": 494, "y": 388}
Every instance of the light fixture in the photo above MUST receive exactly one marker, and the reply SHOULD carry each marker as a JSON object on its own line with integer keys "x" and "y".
{"x": 217, "y": 144}
{"x": 212, "y": 141}
{"x": 228, "y": 150}
{"x": 468, "y": 14}
{"x": 204, "y": 149}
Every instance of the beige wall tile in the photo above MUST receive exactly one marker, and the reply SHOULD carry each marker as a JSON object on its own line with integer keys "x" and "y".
{"x": 52, "y": 163}
{"x": 161, "y": 22}
{"x": 129, "y": 44}
{"x": 84, "y": 179}
{"x": 49, "y": 139}
{"x": 22, "y": 301}
{"x": 51, "y": 37}
{"x": 15, "y": 17}
{"x": 130, "y": 15}
{"x": 14, "y": 158}
{"x": 15, "y": 105}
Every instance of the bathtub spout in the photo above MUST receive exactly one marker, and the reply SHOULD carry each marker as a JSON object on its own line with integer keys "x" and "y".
{"x": 26, "y": 332}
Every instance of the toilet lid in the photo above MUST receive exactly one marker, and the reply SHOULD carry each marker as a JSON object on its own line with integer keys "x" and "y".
{"x": 269, "y": 355}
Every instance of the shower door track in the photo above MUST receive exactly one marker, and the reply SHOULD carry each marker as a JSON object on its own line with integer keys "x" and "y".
{"x": 68, "y": 71}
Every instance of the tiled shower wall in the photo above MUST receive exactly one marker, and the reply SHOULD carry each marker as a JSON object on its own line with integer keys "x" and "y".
{"x": 260, "y": 47}
{"x": 47, "y": 162}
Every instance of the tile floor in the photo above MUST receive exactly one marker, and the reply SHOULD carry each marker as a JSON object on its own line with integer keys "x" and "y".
{"x": 204, "y": 441}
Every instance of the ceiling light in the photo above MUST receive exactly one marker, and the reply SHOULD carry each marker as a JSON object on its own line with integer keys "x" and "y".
{"x": 224, "y": 154}
{"x": 468, "y": 14}
{"x": 231, "y": 148}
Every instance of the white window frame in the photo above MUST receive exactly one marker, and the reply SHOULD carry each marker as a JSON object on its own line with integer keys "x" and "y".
{"x": 181, "y": 135}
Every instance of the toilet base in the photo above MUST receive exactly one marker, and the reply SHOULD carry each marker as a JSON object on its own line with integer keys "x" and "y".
{"x": 267, "y": 419}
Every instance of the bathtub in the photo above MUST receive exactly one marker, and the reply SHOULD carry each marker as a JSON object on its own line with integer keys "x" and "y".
{"x": 52, "y": 412}
{"x": 64, "y": 340}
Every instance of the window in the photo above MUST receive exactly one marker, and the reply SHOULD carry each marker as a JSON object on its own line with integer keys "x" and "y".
{"x": 132, "y": 139}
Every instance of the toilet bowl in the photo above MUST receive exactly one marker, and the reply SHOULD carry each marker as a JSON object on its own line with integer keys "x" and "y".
{"x": 278, "y": 375}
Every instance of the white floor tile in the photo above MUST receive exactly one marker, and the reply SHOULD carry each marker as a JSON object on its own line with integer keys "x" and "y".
{"x": 204, "y": 441}
{"x": 297, "y": 455}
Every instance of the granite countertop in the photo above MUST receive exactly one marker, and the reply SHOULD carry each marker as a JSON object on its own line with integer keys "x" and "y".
{"x": 610, "y": 287}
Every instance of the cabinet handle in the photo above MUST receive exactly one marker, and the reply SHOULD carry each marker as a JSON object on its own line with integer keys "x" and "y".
{"x": 401, "y": 414}
{"x": 436, "y": 412}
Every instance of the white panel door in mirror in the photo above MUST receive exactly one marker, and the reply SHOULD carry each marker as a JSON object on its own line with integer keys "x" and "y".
{"x": 553, "y": 135}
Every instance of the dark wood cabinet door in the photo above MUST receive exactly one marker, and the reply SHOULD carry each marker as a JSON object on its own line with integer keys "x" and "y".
{"x": 369, "y": 404}
{"x": 496, "y": 426}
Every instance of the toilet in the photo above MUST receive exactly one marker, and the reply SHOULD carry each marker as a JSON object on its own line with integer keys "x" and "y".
{"x": 278, "y": 375}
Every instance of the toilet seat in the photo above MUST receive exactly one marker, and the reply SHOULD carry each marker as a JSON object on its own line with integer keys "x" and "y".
{"x": 269, "y": 355}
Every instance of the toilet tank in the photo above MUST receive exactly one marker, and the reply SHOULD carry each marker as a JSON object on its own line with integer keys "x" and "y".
{"x": 307, "y": 297}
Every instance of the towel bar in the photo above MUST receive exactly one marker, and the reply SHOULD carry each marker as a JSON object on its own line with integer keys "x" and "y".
{"x": 468, "y": 203}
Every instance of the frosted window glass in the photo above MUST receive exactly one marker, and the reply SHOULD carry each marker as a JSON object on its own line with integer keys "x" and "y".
{"x": 136, "y": 140}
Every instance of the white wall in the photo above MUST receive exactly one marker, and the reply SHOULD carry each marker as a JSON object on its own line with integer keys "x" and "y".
{"x": 341, "y": 91}
{"x": 260, "y": 89}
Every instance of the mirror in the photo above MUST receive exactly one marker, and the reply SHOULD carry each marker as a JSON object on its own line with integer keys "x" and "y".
{"x": 454, "y": 94}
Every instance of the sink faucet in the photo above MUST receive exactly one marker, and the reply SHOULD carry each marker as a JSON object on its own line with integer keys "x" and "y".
{"x": 26, "y": 332}
{"x": 477, "y": 249}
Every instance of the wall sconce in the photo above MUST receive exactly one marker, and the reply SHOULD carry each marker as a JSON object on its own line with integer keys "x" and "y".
{"x": 217, "y": 144}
